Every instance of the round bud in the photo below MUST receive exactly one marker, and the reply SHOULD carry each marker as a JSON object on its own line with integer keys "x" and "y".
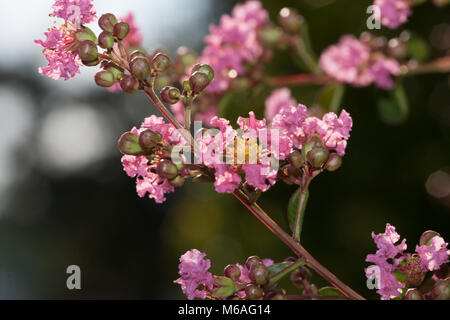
{"x": 290, "y": 20}
{"x": 259, "y": 274}
{"x": 296, "y": 159}
{"x": 115, "y": 70}
{"x": 334, "y": 162}
{"x": 251, "y": 260}
{"x": 270, "y": 36}
{"x": 104, "y": 79}
{"x": 88, "y": 52}
{"x": 427, "y": 236}
{"x": 253, "y": 292}
{"x": 84, "y": 34}
{"x": 233, "y": 272}
{"x": 107, "y": 22}
{"x": 137, "y": 53}
{"x": 198, "y": 81}
{"x": 161, "y": 62}
{"x": 178, "y": 182}
{"x": 106, "y": 40}
{"x": 167, "y": 169}
{"x": 397, "y": 49}
{"x": 441, "y": 290}
{"x": 206, "y": 69}
{"x": 140, "y": 68}
{"x": 413, "y": 294}
{"x": 129, "y": 84}
{"x": 121, "y": 30}
{"x": 92, "y": 63}
{"x": 170, "y": 95}
{"x": 129, "y": 144}
{"x": 148, "y": 139}
{"x": 317, "y": 157}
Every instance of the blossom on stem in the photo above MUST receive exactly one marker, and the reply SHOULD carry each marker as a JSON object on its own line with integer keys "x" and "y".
{"x": 193, "y": 269}
{"x": 393, "y": 13}
{"x": 278, "y": 99}
{"x": 434, "y": 255}
{"x": 77, "y": 12}
{"x": 351, "y": 61}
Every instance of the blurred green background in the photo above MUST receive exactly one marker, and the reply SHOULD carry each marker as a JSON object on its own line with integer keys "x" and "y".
{"x": 65, "y": 200}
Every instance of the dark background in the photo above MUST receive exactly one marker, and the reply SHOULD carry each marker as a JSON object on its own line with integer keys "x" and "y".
{"x": 65, "y": 200}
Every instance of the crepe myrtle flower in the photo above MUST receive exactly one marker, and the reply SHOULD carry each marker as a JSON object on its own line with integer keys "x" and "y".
{"x": 393, "y": 13}
{"x": 276, "y": 101}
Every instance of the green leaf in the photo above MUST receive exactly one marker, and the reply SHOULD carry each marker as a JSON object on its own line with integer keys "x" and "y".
{"x": 329, "y": 292}
{"x": 292, "y": 210}
{"x": 330, "y": 97}
{"x": 395, "y": 109}
{"x": 278, "y": 267}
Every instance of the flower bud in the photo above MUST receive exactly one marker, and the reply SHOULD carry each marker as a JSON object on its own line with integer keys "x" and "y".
{"x": 290, "y": 20}
{"x": 397, "y": 49}
{"x": 129, "y": 144}
{"x": 121, "y": 30}
{"x": 270, "y": 36}
{"x": 413, "y": 271}
{"x": 148, "y": 139}
{"x": 104, "y": 79}
{"x": 259, "y": 274}
{"x": 129, "y": 84}
{"x": 251, "y": 260}
{"x": 233, "y": 272}
{"x": 92, "y": 63}
{"x": 115, "y": 70}
{"x": 427, "y": 236}
{"x": 441, "y": 290}
{"x": 170, "y": 95}
{"x": 84, "y": 33}
{"x": 106, "y": 40}
{"x": 167, "y": 169}
{"x": 223, "y": 287}
{"x": 317, "y": 157}
{"x": 178, "y": 182}
{"x": 88, "y": 52}
{"x": 198, "y": 82}
{"x": 140, "y": 68}
{"x": 334, "y": 162}
{"x": 161, "y": 62}
{"x": 206, "y": 69}
{"x": 296, "y": 159}
{"x": 107, "y": 22}
{"x": 253, "y": 292}
{"x": 413, "y": 294}
{"x": 137, "y": 53}
{"x": 313, "y": 141}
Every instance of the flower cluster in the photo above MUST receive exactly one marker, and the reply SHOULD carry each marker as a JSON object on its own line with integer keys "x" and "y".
{"x": 392, "y": 260}
{"x": 393, "y": 13}
{"x": 233, "y": 43}
{"x": 352, "y": 61}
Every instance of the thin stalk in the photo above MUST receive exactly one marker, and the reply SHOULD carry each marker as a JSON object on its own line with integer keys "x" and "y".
{"x": 297, "y": 248}
{"x": 300, "y": 48}
{"x": 280, "y": 275}
{"x": 300, "y": 215}
{"x": 337, "y": 98}
{"x": 188, "y": 114}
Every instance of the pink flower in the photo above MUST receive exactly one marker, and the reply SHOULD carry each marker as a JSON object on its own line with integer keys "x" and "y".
{"x": 394, "y": 12}
{"x": 227, "y": 181}
{"x": 193, "y": 270}
{"x": 77, "y": 12}
{"x": 291, "y": 119}
{"x": 135, "y": 166}
{"x": 386, "y": 243}
{"x": 153, "y": 185}
{"x": 351, "y": 61}
{"x": 434, "y": 255}
{"x": 251, "y": 12}
{"x": 278, "y": 99}
{"x": 134, "y": 37}
{"x": 63, "y": 64}
{"x": 388, "y": 285}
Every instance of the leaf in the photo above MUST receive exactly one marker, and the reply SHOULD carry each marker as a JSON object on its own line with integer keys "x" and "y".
{"x": 292, "y": 208}
{"x": 329, "y": 292}
{"x": 278, "y": 267}
{"x": 395, "y": 109}
{"x": 330, "y": 97}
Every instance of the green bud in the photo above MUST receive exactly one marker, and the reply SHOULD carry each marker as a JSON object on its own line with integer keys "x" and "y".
{"x": 170, "y": 95}
{"x": 259, "y": 274}
{"x": 427, "y": 237}
{"x": 121, "y": 30}
{"x": 161, "y": 62}
{"x": 198, "y": 82}
{"x": 290, "y": 20}
{"x": 84, "y": 34}
{"x": 441, "y": 290}
{"x": 129, "y": 84}
{"x": 88, "y": 52}
{"x": 115, "y": 70}
{"x": 252, "y": 260}
{"x": 148, "y": 139}
{"x": 206, "y": 69}
{"x": 270, "y": 36}
{"x": 136, "y": 54}
{"x": 313, "y": 141}
{"x": 253, "y": 292}
{"x": 413, "y": 294}
{"x": 106, "y": 40}
{"x": 107, "y": 22}
{"x": 104, "y": 79}
{"x": 140, "y": 68}
{"x": 317, "y": 157}
{"x": 92, "y": 63}
{"x": 296, "y": 159}
{"x": 334, "y": 162}
{"x": 233, "y": 272}
{"x": 129, "y": 144}
{"x": 167, "y": 169}
{"x": 187, "y": 86}
{"x": 223, "y": 287}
